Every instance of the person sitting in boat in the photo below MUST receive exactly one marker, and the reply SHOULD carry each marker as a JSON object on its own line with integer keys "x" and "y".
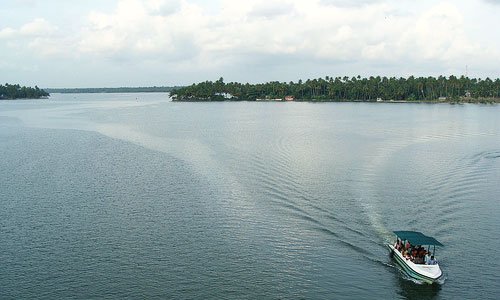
{"x": 427, "y": 257}
{"x": 432, "y": 261}
{"x": 419, "y": 260}
{"x": 398, "y": 245}
{"x": 407, "y": 245}
{"x": 420, "y": 255}
{"x": 421, "y": 251}
{"x": 414, "y": 252}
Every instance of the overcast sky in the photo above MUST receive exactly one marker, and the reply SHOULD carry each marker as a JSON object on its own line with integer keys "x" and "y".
{"x": 96, "y": 43}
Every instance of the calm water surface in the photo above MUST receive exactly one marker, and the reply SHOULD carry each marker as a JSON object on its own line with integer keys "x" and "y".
{"x": 130, "y": 195}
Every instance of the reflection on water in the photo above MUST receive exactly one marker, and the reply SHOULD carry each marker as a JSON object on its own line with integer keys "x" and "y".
{"x": 408, "y": 289}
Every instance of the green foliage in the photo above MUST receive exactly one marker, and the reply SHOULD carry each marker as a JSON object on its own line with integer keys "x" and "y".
{"x": 15, "y": 91}
{"x": 345, "y": 89}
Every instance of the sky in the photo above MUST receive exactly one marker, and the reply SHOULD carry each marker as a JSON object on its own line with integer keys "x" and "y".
{"x": 114, "y": 43}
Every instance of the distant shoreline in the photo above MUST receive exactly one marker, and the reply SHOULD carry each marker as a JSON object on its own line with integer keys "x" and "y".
{"x": 15, "y": 91}
{"x": 437, "y": 101}
{"x": 153, "y": 89}
{"x": 412, "y": 89}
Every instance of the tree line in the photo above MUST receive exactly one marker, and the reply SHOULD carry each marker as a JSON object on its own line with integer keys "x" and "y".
{"x": 346, "y": 89}
{"x": 15, "y": 91}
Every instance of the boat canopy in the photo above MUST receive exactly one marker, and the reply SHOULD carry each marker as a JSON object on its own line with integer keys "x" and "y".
{"x": 417, "y": 238}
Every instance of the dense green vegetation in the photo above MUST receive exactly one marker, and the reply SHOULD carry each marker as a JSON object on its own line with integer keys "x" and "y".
{"x": 153, "y": 89}
{"x": 347, "y": 89}
{"x": 15, "y": 91}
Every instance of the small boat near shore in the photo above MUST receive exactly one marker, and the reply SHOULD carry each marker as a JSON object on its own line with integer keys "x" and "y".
{"x": 417, "y": 261}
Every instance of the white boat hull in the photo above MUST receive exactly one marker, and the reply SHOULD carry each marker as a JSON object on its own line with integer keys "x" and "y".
{"x": 423, "y": 273}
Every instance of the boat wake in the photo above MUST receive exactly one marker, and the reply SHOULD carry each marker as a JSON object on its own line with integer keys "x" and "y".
{"x": 370, "y": 195}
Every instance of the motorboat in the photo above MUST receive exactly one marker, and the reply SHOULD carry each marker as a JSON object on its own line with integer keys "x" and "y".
{"x": 408, "y": 251}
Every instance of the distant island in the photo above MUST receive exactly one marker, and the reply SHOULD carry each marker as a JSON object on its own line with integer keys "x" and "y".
{"x": 153, "y": 89}
{"x": 15, "y": 91}
{"x": 373, "y": 89}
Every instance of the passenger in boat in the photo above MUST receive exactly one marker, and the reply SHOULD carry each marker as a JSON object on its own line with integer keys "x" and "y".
{"x": 418, "y": 260}
{"x": 428, "y": 257}
{"x": 421, "y": 252}
{"x": 407, "y": 255}
{"x": 432, "y": 261}
{"x": 407, "y": 245}
{"x": 399, "y": 245}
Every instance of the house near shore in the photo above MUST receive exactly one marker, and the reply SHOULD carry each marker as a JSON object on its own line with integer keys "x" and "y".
{"x": 226, "y": 96}
{"x": 268, "y": 98}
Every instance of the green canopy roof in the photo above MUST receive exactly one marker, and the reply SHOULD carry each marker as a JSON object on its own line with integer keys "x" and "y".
{"x": 417, "y": 238}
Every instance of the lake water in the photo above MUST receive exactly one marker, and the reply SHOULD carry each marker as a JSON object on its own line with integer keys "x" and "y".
{"x": 131, "y": 195}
